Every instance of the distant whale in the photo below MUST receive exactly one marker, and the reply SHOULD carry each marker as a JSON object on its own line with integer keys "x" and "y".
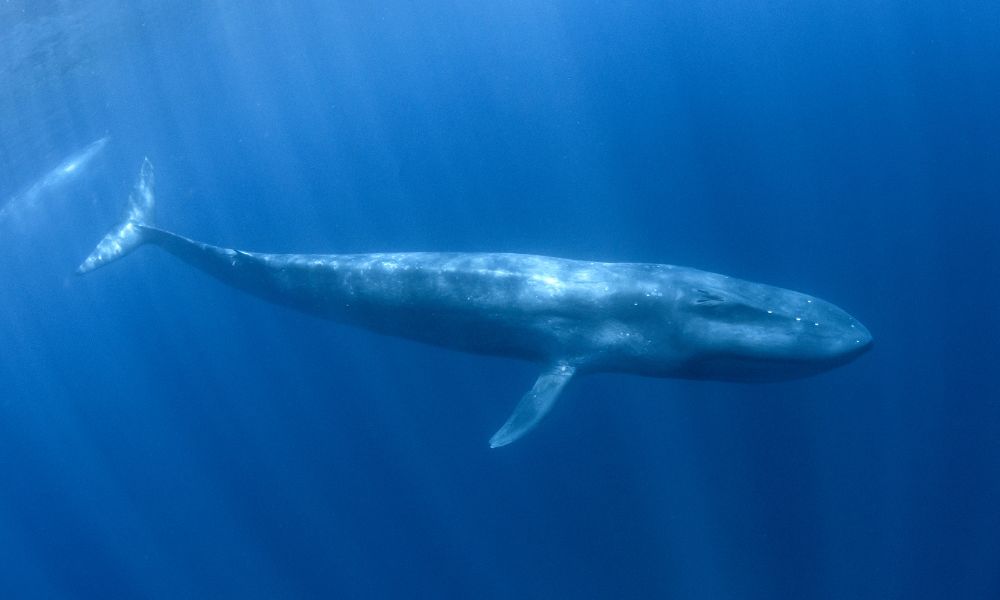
{"x": 67, "y": 169}
{"x": 571, "y": 316}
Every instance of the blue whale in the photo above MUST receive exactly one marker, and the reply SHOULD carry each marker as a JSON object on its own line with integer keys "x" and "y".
{"x": 571, "y": 316}
{"x": 66, "y": 170}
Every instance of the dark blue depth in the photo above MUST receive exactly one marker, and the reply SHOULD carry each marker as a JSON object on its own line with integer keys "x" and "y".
{"x": 162, "y": 436}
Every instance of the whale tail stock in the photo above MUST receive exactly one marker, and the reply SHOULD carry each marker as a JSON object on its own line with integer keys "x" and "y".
{"x": 130, "y": 233}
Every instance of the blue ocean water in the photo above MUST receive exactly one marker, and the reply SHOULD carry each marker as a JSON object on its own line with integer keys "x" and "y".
{"x": 164, "y": 436}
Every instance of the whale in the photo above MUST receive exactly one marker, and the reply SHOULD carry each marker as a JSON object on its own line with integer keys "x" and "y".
{"x": 69, "y": 168}
{"x": 571, "y": 317}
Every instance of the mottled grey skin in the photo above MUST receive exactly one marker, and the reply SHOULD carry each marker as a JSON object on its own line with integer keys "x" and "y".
{"x": 647, "y": 319}
{"x": 572, "y": 316}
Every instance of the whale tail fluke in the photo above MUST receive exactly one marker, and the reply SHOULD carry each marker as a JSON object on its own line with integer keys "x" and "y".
{"x": 130, "y": 233}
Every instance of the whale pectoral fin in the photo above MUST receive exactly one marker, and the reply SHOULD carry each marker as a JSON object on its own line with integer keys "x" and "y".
{"x": 534, "y": 405}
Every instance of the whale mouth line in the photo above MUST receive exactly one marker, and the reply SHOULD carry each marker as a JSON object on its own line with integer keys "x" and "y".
{"x": 739, "y": 367}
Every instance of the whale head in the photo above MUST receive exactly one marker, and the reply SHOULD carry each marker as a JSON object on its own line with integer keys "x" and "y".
{"x": 743, "y": 331}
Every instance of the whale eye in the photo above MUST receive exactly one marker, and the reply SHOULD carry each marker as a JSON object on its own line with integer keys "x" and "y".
{"x": 706, "y": 297}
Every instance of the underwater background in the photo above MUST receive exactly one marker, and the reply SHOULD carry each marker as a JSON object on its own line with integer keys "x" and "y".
{"x": 164, "y": 436}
